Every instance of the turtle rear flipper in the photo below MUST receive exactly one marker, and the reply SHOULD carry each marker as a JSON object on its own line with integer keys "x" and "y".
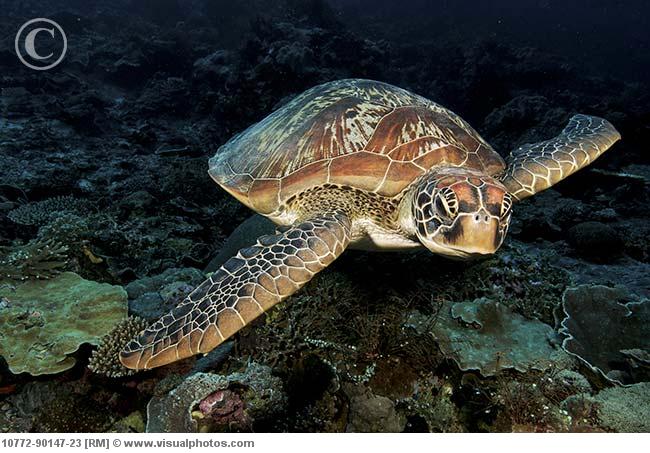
{"x": 532, "y": 168}
{"x": 247, "y": 285}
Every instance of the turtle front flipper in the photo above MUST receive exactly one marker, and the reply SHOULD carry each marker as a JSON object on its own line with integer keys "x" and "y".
{"x": 247, "y": 285}
{"x": 535, "y": 167}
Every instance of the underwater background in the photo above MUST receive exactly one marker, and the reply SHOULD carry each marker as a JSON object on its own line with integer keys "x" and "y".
{"x": 108, "y": 219}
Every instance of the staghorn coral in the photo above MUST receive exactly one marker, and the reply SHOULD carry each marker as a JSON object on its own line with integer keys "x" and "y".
{"x": 40, "y": 212}
{"x": 80, "y": 235}
{"x": 38, "y": 259}
{"x": 67, "y": 228}
{"x": 105, "y": 359}
{"x": 45, "y": 321}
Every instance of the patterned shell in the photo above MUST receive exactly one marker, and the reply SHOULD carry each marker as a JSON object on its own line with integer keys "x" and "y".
{"x": 359, "y": 133}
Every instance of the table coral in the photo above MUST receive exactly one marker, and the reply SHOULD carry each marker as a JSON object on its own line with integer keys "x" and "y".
{"x": 487, "y": 336}
{"x": 591, "y": 310}
{"x": 45, "y": 321}
{"x": 40, "y": 212}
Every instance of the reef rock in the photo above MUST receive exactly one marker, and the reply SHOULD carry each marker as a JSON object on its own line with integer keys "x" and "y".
{"x": 596, "y": 241}
{"x": 152, "y": 297}
{"x": 607, "y": 331}
{"x": 371, "y": 413}
{"x": 487, "y": 336}
{"x": 206, "y": 402}
{"x": 245, "y": 235}
{"x": 42, "y": 322}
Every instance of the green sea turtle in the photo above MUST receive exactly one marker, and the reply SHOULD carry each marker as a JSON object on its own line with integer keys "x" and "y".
{"x": 358, "y": 164}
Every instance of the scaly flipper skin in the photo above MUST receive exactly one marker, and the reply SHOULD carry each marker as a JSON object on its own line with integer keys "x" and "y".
{"x": 535, "y": 167}
{"x": 246, "y": 286}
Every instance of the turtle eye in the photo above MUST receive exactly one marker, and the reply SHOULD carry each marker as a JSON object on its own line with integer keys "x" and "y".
{"x": 447, "y": 203}
{"x": 506, "y": 205}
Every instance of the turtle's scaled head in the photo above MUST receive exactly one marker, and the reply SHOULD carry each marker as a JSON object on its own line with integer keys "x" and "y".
{"x": 461, "y": 214}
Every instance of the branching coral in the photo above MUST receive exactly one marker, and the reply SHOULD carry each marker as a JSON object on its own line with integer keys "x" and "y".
{"x": 40, "y": 212}
{"x": 39, "y": 259}
{"x": 530, "y": 402}
{"x": 105, "y": 359}
{"x": 67, "y": 228}
{"x": 334, "y": 316}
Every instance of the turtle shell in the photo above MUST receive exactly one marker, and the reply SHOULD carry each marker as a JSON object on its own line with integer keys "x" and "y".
{"x": 358, "y": 133}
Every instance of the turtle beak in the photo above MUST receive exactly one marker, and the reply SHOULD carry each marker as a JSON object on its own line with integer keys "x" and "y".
{"x": 473, "y": 234}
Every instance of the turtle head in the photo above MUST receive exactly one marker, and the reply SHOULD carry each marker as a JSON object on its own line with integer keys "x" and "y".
{"x": 461, "y": 214}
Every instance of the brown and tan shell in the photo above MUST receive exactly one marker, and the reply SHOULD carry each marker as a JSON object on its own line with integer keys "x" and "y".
{"x": 358, "y": 133}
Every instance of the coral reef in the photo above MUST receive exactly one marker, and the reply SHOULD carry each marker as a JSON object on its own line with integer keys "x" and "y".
{"x": 530, "y": 285}
{"x": 619, "y": 356}
{"x": 431, "y": 407}
{"x": 596, "y": 241}
{"x": 486, "y": 336}
{"x": 44, "y": 322}
{"x": 105, "y": 359}
{"x": 40, "y": 212}
{"x": 104, "y": 175}
{"x": 152, "y": 297}
{"x": 132, "y": 423}
{"x": 72, "y": 413}
{"x": 210, "y": 402}
{"x": 618, "y": 409}
{"x": 18, "y": 410}
{"x": 371, "y": 413}
{"x": 39, "y": 259}
{"x": 625, "y": 410}
{"x": 55, "y": 407}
